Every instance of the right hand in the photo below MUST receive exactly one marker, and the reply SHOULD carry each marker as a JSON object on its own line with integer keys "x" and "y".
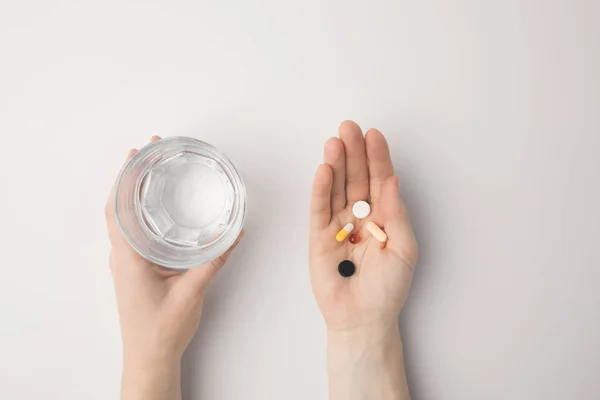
{"x": 356, "y": 168}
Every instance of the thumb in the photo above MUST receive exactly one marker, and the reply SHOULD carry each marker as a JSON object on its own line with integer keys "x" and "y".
{"x": 197, "y": 279}
{"x": 397, "y": 222}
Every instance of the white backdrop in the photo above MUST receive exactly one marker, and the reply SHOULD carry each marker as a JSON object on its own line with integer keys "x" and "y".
{"x": 492, "y": 113}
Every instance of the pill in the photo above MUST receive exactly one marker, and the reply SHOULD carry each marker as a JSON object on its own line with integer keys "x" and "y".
{"x": 361, "y": 209}
{"x": 376, "y": 232}
{"x": 354, "y": 238}
{"x": 346, "y": 268}
{"x": 344, "y": 232}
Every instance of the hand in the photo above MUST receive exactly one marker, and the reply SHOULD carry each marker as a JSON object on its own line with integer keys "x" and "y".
{"x": 359, "y": 168}
{"x": 365, "y": 354}
{"x": 159, "y": 312}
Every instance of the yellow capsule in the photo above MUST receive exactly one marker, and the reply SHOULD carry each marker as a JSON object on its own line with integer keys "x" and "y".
{"x": 376, "y": 232}
{"x": 344, "y": 232}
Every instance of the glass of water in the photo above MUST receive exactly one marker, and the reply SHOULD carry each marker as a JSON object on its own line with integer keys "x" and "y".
{"x": 180, "y": 202}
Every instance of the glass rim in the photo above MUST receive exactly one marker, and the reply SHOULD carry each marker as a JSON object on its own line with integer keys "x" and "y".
{"x": 195, "y": 255}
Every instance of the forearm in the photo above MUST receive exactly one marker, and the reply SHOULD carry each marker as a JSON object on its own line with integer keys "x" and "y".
{"x": 151, "y": 381}
{"x": 366, "y": 363}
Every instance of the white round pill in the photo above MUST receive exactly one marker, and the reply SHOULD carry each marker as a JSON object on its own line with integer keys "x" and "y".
{"x": 361, "y": 209}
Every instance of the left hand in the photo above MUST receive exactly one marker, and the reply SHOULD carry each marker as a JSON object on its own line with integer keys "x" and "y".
{"x": 159, "y": 310}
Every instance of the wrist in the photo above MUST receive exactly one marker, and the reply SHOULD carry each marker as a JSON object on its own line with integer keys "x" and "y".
{"x": 364, "y": 337}
{"x": 366, "y": 363}
{"x": 151, "y": 379}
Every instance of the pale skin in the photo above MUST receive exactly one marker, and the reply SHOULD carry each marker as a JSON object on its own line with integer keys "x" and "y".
{"x": 365, "y": 357}
{"x": 159, "y": 310}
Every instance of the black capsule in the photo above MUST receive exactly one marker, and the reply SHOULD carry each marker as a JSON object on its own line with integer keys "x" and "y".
{"x": 346, "y": 268}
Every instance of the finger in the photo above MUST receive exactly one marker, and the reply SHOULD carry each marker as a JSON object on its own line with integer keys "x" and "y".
{"x": 397, "y": 222}
{"x": 379, "y": 161}
{"x": 357, "y": 172}
{"x": 320, "y": 203}
{"x": 335, "y": 157}
{"x": 130, "y": 154}
{"x": 155, "y": 138}
{"x": 114, "y": 232}
{"x": 196, "y": 279}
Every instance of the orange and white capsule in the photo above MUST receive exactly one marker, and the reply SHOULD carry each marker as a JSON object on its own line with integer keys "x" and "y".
{"x": 344, "y": 232}
{"x": 376, "y": 231}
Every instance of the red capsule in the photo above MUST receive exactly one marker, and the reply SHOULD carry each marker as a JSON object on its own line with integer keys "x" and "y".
{"x": 354, "y": 238}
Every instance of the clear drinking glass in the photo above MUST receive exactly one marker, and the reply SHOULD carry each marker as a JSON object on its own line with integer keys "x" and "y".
{"x": 180, "y": 202}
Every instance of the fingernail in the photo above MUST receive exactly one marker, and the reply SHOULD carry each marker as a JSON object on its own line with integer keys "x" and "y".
{"x": 239, "y": 239}
{"x": 131, "y": 153}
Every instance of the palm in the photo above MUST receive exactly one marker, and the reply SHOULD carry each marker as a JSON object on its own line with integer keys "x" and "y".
{"x": 157, "y": 294}
{"x": 164, "y": 286}
{"x": 359, "y": 168}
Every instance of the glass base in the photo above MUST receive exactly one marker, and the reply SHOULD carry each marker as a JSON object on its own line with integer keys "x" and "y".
{"x": 186, "y": 199}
